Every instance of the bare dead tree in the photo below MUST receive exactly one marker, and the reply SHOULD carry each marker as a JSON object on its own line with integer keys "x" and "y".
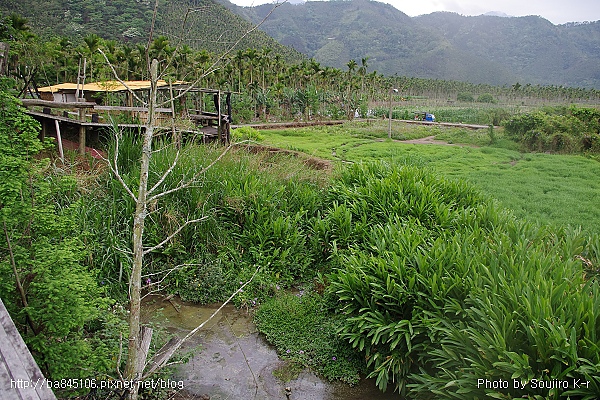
{"x": 137, "y": 368}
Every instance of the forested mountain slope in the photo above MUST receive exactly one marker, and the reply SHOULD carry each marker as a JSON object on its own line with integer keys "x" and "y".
{"x": 482, "y": 49}
{"x": 208, "y": 25}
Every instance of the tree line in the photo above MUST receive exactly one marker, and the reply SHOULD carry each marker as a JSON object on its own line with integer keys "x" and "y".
{"x": 267, "y": 85}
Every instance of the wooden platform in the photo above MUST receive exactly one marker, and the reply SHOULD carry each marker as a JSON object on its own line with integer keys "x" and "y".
{"x": 20, "y": 377}
{"x": 73, "y": 121}
{"x": 64, "y": 104}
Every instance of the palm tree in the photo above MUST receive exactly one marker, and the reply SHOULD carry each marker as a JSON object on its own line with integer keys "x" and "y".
{"x": 65, "y": 51}
{"x": 159, "y": 47}
{"x": 19, "y": 26}
{"x": 362, "y": 71}
{"x": 349, "y": 107}
{"x": 239, "y": 62}
{"x": 265, "y": 64}
{"x": 128, "y": 60}
{"x": 351, "y": 67}
{"x": 92, "y": 42}
{"x": 141, "y": 60}
{"x": 251, "y": 55}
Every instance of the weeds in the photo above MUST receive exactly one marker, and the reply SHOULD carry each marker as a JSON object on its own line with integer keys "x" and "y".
{"x": 430, "y": 281}
{"x": 441, "y": 292}
{"x": 303, "y": 331}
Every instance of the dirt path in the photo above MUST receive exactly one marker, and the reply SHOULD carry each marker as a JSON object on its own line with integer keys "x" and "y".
{"x": 429, "y": 140}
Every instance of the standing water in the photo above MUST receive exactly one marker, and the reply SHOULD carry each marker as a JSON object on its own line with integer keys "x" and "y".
{"x": 233, "y": 361}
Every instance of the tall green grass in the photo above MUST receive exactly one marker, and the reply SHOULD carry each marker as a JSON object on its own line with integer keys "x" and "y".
{"x": 550, "y": 188}
{"x": 428, "y": 276}
{"x": 255, "y": 210}
{"x": 442, "y": 288}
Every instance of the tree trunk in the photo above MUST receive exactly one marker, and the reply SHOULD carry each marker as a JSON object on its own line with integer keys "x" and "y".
{"x": 136, "y": 350}
{"x": 4, "y": 47}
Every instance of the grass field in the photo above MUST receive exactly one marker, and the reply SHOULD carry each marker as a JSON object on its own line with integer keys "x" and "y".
{"x": 549, "y": 188}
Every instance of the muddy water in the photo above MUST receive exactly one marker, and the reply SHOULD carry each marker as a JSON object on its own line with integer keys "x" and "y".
{"x": 232, "y": 361}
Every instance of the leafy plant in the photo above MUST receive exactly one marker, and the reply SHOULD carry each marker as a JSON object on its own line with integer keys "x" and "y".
{"x": 465, "y": 97}
{"x": 247, "y": 133}
{"x": 486, "y": 98}
{"x": 63, "y": 314}
{"x": 303, "y": 330}
{"x": 560, "y": 129}
{"x": 445, "y": 289}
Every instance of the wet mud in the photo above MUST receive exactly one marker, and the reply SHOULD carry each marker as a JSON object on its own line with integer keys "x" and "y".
{"x": 231, "y": 360}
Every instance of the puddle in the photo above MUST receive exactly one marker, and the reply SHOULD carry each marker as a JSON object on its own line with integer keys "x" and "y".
{"x": 235, "y": 362}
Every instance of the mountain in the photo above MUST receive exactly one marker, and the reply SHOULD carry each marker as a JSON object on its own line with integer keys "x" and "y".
{"x": 442, "y": 45}
{"x": 209, "y": 25}
{"x": 487, "y": 49}
{"x": 496, "y": 14}
{"x": 530, "y": 49}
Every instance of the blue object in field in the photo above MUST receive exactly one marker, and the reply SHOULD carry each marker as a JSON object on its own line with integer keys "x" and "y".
{"x": 429, "y": 117}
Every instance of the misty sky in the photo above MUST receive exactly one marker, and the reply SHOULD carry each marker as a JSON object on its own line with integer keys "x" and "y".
{"x": 556, "y": 11}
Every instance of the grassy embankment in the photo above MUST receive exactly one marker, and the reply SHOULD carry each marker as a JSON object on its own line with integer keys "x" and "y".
{"x": 302, "y": 228}
{"x": 430, "y": 277}
{"x": 553, "y": 189}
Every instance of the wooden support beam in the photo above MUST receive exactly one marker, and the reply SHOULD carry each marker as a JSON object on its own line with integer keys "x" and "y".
{"x": 43, "y": 133}
{"x": 16, "y": 362}
{"x": 59, "y": 140}
{"x": 82, "y": 130}
{"x": 57, "y": 104}
{"x": 121, "y": 108}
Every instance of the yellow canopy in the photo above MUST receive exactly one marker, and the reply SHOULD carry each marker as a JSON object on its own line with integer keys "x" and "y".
{"x": 108, "y": 86}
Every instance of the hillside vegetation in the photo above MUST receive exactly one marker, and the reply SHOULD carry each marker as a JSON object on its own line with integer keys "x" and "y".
{"x": 210, "y": 26}
{"x": 442, "y": 45}
{"x": 483, "y": 49}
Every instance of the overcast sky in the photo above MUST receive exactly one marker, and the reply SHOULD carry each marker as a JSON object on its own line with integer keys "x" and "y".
{"x": 556, "y": 11}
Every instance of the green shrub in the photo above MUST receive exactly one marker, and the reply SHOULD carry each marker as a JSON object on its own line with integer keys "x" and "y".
{"x": 243, "y": 108}
{"x": 56, "y": 302}
{"x": 303, "y": 330}
{"x": 442, "y": 288}
{"x": 559, "y": 129}
{"x": 247, "y": 133}
{"x": 466, "y": 97}
{"x": 486, "y": 98}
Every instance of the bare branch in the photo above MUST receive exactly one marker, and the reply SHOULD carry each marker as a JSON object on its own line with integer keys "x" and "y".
{"x": 214, "y": 65}
{"x": 243, "y": 354}
{"x": 114, "y": 167}
{"x": 152, "y": 292}
{"x": 159, "y": 282}
{"x": 122, "y": 82}
{"x": 151, "y": 34}
{"x": 240, "y": 289}
{"x": 180, "y": 40}
{"x": 162, "y": 357}
{"x": 124, "y": 251}
{"x": 165, "y": 175}
{"x": 175, "y": 268}
{"x": 194, "y": 178}
{"x": 171, "y": 236}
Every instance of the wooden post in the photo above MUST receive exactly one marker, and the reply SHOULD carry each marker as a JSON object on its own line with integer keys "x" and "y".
{"x": 43, "y": 133}
{"x": 129, "y": 103}
{"x": 59, "y": 140}
{"x": 219, "y": 119}
{"x": 82, "y": 131}
{"x": 177, "y": 135}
